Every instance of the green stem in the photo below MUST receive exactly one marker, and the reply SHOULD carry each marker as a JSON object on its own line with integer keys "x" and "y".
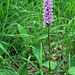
{"x": 49, "y": 47}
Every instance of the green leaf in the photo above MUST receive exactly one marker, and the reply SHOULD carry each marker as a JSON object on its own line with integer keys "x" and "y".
{"x": 72, "y": 63}
{"x": 53, "y": 64}
{"x": 70, "y": 21}
{"x": 40, "y": 38}
{"x": 58, "y": 65}
{"x": 72, "y": 71}
{"x": 35, "y": 51}
{"x": 22, "y": 30}
{"x": 5, "y": 51}
{"x": 23, "y": 69}
{"x": 6, "y": 72}
{"x": 1, "y": 57}
{"x": 57, "y": 36}
{"x": 30, "y": 62}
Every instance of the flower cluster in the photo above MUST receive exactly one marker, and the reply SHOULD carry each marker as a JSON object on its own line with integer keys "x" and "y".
{"x": 47, "y": 12}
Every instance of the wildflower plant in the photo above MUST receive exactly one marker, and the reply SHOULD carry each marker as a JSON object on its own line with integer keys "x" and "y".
{"x": 48, "y": 19}
{"x": 47, "y": 12}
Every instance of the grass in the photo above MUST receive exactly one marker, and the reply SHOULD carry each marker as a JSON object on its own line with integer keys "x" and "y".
{"x": 23, "y": 40}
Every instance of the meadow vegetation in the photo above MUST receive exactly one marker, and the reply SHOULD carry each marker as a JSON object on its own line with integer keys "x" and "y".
{"x": 23, "y": 40}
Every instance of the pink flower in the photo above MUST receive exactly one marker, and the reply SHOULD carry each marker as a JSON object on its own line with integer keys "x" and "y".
{"x": 47, "y": 12}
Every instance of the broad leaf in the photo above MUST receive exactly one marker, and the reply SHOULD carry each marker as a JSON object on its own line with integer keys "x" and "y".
{"x": 53, "y": 64}
{"x": 72, "y": 71}
{"x": 6, "y": 72}
{"x": 23, "y": 69}
{"x": 22, "y": 30}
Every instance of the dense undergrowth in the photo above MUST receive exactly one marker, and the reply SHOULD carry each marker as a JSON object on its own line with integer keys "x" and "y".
{"x": 23, "y": 40}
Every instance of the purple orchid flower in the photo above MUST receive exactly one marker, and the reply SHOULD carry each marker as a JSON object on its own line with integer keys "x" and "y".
{"x": 47, "y": 12}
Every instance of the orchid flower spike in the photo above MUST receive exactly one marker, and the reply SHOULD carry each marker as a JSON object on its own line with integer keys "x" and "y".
{"x": 47, "y": 12}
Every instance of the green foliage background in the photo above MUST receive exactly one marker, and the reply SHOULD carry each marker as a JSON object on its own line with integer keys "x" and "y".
{"x": 22, "y": 32}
